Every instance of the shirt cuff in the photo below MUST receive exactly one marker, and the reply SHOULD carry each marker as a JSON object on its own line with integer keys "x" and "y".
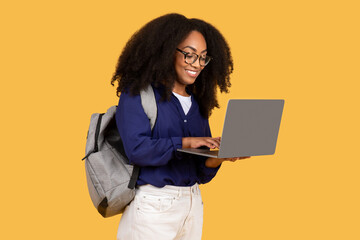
{"x": 177, "y": 142}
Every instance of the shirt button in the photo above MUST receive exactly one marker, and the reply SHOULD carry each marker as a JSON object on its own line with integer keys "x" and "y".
{"x": 185, "y": 120}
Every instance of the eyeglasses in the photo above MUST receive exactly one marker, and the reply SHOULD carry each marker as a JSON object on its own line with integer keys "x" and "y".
{"x": 190, "y": 58}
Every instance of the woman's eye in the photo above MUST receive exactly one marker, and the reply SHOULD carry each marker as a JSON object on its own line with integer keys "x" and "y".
{"x": 190, "y": 56}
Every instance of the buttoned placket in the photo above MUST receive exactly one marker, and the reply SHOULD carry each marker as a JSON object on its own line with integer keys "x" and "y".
{"x": 182, "y": 114}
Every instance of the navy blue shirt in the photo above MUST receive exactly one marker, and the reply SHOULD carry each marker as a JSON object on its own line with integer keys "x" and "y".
{"x": 155, "y": 151}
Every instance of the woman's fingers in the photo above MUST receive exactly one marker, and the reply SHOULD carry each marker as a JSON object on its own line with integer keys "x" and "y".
{"x": 195, "y": 142}
{"x": 213, "y": 142}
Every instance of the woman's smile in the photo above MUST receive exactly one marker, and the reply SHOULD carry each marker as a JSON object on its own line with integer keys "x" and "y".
{"x": 192, "y": 73}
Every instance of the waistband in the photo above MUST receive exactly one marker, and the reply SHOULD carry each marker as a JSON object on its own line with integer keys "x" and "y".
{"x": 172, "y": 190}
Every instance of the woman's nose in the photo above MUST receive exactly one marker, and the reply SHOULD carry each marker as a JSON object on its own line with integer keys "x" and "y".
{"x": 196, "y": 64}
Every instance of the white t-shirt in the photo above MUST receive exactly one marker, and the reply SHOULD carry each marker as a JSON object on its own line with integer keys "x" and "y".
{"x": 184, "y": 101}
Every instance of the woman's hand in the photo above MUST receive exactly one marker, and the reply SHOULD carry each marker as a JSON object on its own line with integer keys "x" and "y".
{"x": 196, "y": 142}
{"x": 215, "y": 162}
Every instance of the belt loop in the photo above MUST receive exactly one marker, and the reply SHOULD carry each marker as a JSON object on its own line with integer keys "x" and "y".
{"x": 193, "y": 190}
{"x": 197, "y": 189}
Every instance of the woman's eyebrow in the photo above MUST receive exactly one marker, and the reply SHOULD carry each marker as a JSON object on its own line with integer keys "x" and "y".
{"x": 194, "y": 49}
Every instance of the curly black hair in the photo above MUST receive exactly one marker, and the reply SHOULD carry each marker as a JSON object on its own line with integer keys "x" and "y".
{"x": 148, "y": 58}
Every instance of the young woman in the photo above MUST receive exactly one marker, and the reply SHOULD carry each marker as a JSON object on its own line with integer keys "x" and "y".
{"x": 185, "y": 61}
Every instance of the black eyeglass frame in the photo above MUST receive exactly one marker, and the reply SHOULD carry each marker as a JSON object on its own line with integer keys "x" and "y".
{"x": 197, "y": 57}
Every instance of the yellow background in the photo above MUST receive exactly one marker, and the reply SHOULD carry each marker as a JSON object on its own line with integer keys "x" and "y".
{"x": 57, "y": 58}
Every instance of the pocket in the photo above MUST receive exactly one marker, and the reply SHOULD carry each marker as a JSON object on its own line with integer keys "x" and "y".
{"x": 149, "y": 203}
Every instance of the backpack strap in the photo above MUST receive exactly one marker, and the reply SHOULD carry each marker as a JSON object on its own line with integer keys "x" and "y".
{"x": 134, "y": 177}
{"x": 148, "y": 103}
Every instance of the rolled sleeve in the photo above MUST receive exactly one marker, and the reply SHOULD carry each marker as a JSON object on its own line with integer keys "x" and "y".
{"x": 177, "y": 142}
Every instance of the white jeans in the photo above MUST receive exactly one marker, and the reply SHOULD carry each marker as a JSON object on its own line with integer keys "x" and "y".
{"x": 168, "y": 213}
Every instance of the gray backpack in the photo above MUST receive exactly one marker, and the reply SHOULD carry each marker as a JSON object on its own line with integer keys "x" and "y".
{"x": 110, "y": 178}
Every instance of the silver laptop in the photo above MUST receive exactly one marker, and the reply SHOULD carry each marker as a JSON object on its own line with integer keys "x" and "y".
{"x": 251, "y": 128}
